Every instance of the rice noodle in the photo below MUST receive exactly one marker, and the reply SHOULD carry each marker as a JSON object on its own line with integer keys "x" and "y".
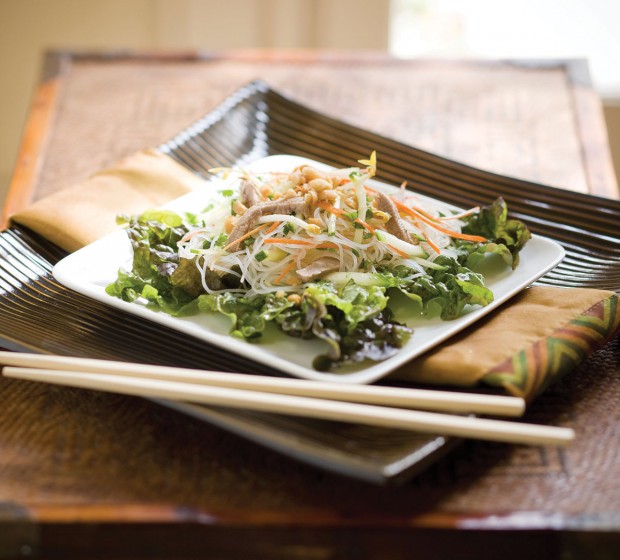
{"x": 267, "y": 261}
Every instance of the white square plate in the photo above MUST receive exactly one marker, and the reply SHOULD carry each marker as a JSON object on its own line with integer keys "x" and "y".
{"x": 89, "y": 270}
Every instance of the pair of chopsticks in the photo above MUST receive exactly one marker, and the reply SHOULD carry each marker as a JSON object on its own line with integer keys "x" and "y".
{"x": 363, "y": 404}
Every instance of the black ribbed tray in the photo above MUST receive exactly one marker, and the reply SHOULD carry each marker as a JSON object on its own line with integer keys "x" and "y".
{"x": 39, "y": 315}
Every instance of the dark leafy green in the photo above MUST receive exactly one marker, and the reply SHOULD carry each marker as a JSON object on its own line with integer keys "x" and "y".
{"x": 154, "y": 236}
{"x": 376, "y": 338}
{"x": 353, "y": 320}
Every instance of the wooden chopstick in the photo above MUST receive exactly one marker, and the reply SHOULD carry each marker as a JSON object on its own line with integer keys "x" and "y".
{"x": 445, "y": 401}
{"x": 427, "y": 422}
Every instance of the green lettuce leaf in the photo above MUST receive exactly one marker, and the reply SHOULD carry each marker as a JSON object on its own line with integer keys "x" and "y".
{"x": 155, "y": 259}
{"x": 244, "y": 313}
{"x": 447, "y": 292}
{"x": 356, "y": 302}
{"x": 505, "y": 235}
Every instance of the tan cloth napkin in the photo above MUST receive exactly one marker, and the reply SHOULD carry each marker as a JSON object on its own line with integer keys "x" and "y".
{"x": 82, "y": 213}
{"x": 521, "y": 347}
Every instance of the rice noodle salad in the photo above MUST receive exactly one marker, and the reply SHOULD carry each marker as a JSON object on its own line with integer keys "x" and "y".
{"x": 317, "y": 253}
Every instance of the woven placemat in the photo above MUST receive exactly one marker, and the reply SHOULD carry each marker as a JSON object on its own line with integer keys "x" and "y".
{"x": 508, "y": 119}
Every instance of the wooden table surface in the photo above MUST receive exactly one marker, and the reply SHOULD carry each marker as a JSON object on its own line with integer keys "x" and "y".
{"x": 94, "y": 475}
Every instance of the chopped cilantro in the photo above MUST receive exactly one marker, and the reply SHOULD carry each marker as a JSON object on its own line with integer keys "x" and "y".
{"x": 222, "y": 240}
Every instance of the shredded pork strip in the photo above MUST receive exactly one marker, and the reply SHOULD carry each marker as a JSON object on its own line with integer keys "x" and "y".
{"x": 318, "y": 268}
{"x": 246, "y": 222}
{"x": 395, "y": 224}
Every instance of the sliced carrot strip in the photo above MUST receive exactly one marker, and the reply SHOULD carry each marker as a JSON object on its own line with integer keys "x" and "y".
{"x": 463, "y": 236}
{"x": 285, "y": 241}
{"x": 414, "y": 213}
{"x": 425, "y": 213}
{"x": 286, "y": 270}
{"x": 191, "y": 234}
{"x": 314, "y": 244}
{"x": 332, "y": 209}
{"x": 273, "y": 227}
{"x": 443, "y": 218}
{"x": 325, "y": 206}
{"x": 248, "y": 234}
{"x": 433, "y": 245}
{"x": 365, "y": 225}
{"x": 415, "y": 208}
{"x": 398, "y": 251}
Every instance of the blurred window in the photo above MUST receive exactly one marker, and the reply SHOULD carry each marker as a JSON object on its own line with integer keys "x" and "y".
{"x": 526, "y": 29}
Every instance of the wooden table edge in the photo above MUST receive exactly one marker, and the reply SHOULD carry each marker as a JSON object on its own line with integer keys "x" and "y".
{"x": 170, "y": 513}
{"x": 69, "y": 530}
{"x": 35, "y": 136}
{"x": 596, "y": 153}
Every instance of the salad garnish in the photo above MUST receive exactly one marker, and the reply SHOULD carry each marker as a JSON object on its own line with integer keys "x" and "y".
{"x": 319, "y": 253}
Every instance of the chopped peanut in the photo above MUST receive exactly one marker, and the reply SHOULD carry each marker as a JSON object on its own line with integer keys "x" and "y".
{"x": 310, "y": 173}
{"x": 229, "y": 224}
{"x": 319, "y": 185}
{"x": 311, "y": 198}
{"x": 351, "y": 201}
{"x": 289, "y": 194}
{"x": 297, "y": 177}
{"x": 329, "y": 195}
{"x": 239, "y": 207}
